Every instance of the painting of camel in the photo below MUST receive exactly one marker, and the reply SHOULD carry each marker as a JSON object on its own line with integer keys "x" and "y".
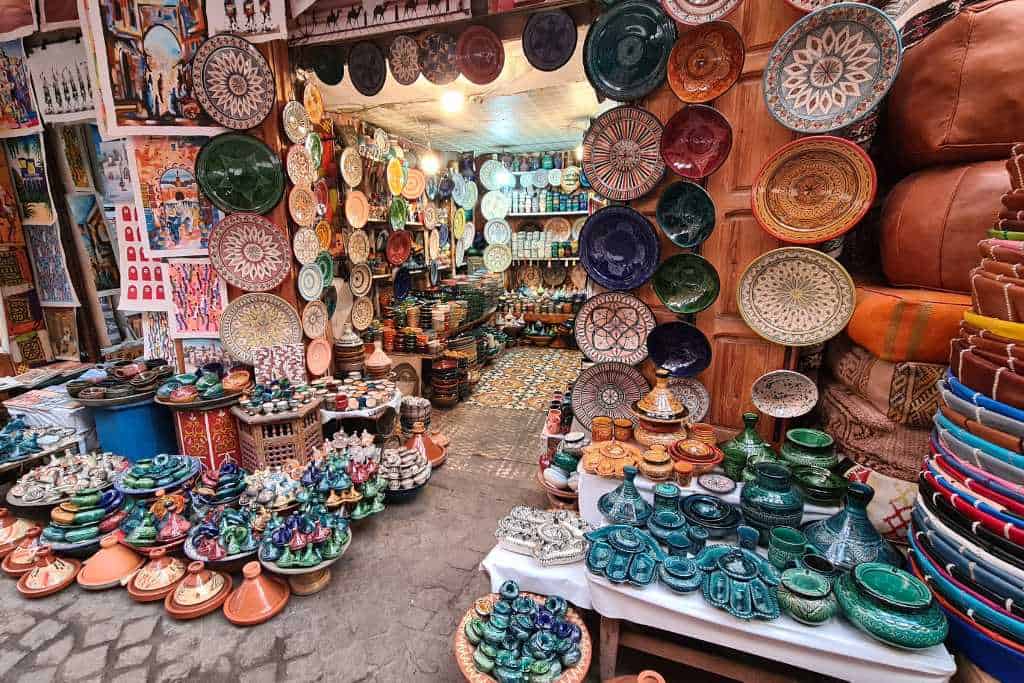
{"x": 333, "y": 20}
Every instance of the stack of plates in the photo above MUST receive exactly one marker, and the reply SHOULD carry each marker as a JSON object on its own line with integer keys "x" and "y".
{"x": 445, "y": 379}
{"x": 348, "y": 357}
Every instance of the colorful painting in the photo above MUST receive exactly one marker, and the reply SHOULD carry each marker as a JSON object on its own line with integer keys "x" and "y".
{"x": 53, "y": 284}
{"x": 57, "y": 14}
{"x": 156, "y": 337}
{"x": 62, "y": 326}
{"x": 31, "y": 350}
{"x": 19, "y": 113}
{"x": 178, "y": 216}
{"x": 198, "y": 297}
{"x": 23, "y": 313}
{"x": 142, "y": 65}
{"x": 27, "y": 163}
{"x": 10, "y": 220}
{"x": 74, "y": 159}
{"x": 17, "y": 18}
{"x": 142, "y": 277}
{"x": 255, "y": 20}
{"x": 63, "y": 88}
{"x": 110, "y": 167}
{"x": 95, "y": 244}
{"x": 199, "y": 352}
{"x": 15, "y": 269}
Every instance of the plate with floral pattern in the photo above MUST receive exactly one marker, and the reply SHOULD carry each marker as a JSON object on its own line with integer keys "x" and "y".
{"x": 497, "y": 258}
{"x": 254, "y": 321}
{"x": 358, "y": 247}
{"x": 613, "y": 326}
{"x": 693, "y": 12}
{"x": 362, "y": 314}
{"x": 784, "y": 393}
{"x": 233, "y": 82}
{"x": 404, "y": 60}
{"x": 314, "y": 319}
{"x": 438, "y": 57}
{"x": 302, "y": 206}
{"x": 497, "y": 231}
{"x": 692, "y": 393}
{"x": 296, "y": 122}
{"x": 360, "y": 279}
{"x": 620, "y": 153}
{"x": 324, "y": 234}
{"x": 608, "y": 389}
{"x": 705, "y": 62}
{"x": 299, "y": 165}
{"x": 351, "y": 167}
{"x": 305, "y": 245}
{"x": 249, "y": 252}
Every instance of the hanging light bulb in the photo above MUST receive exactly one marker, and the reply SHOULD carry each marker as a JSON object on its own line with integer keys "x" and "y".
{"x": 452, "y": 101}
{"x": 429, "y": 163}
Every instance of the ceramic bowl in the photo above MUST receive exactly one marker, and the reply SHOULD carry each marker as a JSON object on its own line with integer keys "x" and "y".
{"x": 680, "y": 348}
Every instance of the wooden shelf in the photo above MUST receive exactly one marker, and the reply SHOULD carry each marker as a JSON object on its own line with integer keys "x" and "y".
{"x": 550, "y": 318}
{"x": 546, "y": 214}
{"x": 383, "y": 276}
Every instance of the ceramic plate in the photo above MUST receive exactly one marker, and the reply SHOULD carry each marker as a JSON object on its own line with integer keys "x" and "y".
{"x": 404, "y": 59}
{"x": 491, "y": 171}
{"x": 433, "y": 245}
{"x": 233, "y": 82}
{"x": 807, "y": 6}
{"x": 686, "y": 283}
{"x": 324, "y": 234}
{"x": 577, "y": 226}
{"x": 693, "y": 394}
{"x": 305, "y": 245}
{"x": 468, "y": 195}
{"x": 621, "y": 157}
{"x": 328, "y": 64}
{"x": 313, "y": 101}
{"x": 357, "y": 209}
{"x": 458, "y": 223}
{"x": 832, "y": 68}
{"x": 397, "y": 176}
{"x": 398, "y": 213}
{"x": 705, "y": 62}
{"x": 549, "y": 39}
{"x": 302, "y": 206}
{"x": 696, "y": 141}
{"x": 358, "y": 247}
{"x": 318, "y": 357}
{"x": 784, "y": 393}
{"x": 310, "y": 281}
{"x": 325, "y": 262}
{"x": 814, "y": 189}
{"x": 438, "y": 58}
{"x": 626, "y": 51}
{"x": 716, "y": 483}
{"x": 495, "y": 205}
{"x": 315, "y": 147}
{"x": 497, "y": 258}
{"x": 367, "y": 68}
{"x": 480, "y": 54}
{"x": 360, "y": 279}
{"x": 399, "y": 247}
{"x": 619, "y": 248}
{"x": 415, "y": 183}
{"x": 351, "y": 167}
{"x": 296, "y": 122}
{"x": 540, "y": 178}
{"x": 554, "y": 274}
{"x": 430, "y": 219}
{"x": 497, "y": 231}
{"x": 314, "y": 319}
{"x": 249, "y": 252}
{"x": 555, "y": 177}
{"x": 570, "y": 179}
{"x": 362, "y": 313}
{"x": 613, "y": 327}
{"x": 796, "y": 296}
{"x": 680, "y": 348}
{"x": 403, "y": 283}
{"x": 695, "y": 12}
{"x": 607, "y": 389}
{"x": 299, "y": 164}
{"x": 529, "y": 275}
{"x": 254, "y": 321}
{"x": 558, "y": 229}
{"x": 239, "y": 173}
{"x": 686, "y": 214}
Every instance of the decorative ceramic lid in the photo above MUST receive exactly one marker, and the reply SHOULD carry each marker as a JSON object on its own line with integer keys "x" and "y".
{"x": 110, "y": 565}
{"x": 621, "y": 155}
{"x": 161, "y": 572}
{"x": 705, "y": 62}
{"x": 259, "y": 597}
{"x": 249, "y": 252}
{"x": 50, "y": 574}
{"x": 233, "y": 82}
{"x": 200, "y": 592}
{"x": 253, "y": 321}
{"x": 613, "y": 326}
{"x": 240, "y": 173}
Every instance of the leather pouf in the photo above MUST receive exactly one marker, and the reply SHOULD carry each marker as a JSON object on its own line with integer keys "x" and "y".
{"x": 933, "y": 220}
{"x": 954, "y": 100}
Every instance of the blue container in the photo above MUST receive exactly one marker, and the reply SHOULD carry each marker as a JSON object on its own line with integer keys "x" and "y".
{"x": 136, "y": 430}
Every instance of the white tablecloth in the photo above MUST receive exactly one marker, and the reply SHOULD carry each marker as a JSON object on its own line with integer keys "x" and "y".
{"x": 567, "y": 580}
{"x": 52, "y": 407}
{"x": 328, "y": 415}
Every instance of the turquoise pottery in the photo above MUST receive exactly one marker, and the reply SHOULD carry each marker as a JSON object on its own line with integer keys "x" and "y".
{"x": 807, "y": 597}
{"x": 666, "y": 496}
{"x": 698, "y": 538}
{"x": 622, "y": 553}
{"x": 624, "y": 505}
{"x": 664, "y": 522}
{"x": 820, "y": 485}
{"x": 738, "y": 580}
{"x": 744, "y": 446}
{"x": 892, "y": 606}
{"x": 785, "y": 545}
{"x": 186, "y": 379}
{"x": 771, "y": 500}
{"x": 819, "y": 564}
{"x": 685, "y": 213}
{"x": 848, "y": 538}
{"x": 809, "y": 448}
{"x": 680, "y": 575}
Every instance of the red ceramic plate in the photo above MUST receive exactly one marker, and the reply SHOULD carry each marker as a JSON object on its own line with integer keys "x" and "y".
{"x": 480, "y": 54}
{"x": 399, "y": 247}
{"x": 696, "y": 141}
{"x": 705, "y": 61}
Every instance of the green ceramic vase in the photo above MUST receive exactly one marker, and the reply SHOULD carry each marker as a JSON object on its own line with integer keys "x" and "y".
{"x": 745, "y": 445}
{"x": 771, "y": 500}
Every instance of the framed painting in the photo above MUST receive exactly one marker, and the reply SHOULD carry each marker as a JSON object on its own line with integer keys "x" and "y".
{"x": 26, "y": 162}
{"x": 198, "y": 297}
{"x": 23, "y": 313}
{"x": 199, "y": 352}
{"x": 62, "y": 328}
{"x": 63, "y": 87}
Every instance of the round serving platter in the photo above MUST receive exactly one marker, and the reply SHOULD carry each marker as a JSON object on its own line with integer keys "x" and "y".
{"x": 233, "y": 82}
{"x": 619, "y": 248}
{"x": 249, "y": 252}
{"x": 613, "y": 327}
{"x": 621, "y": 156}
{"x": 253, "y": 321}
{"x": 607, "y": 389}
{"x": 626, "y": 51}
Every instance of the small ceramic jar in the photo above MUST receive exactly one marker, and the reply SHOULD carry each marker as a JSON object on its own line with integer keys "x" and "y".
{"x": 807, "y": 597}
{"x": 623, "y": 429}
{"x": 601, "y": 429}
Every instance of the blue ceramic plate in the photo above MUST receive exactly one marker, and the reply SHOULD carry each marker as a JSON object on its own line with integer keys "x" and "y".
{"x": 619, "y": 248}
{"x": 686, "y": 214}
{"x": 680, "y": 348}
{"x": 403, "y": 284}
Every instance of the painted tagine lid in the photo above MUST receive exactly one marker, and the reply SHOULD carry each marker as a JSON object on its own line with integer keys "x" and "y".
{"x": 23, "y": 557}
{"x": 110, "y": 566}
{"x": 259, "y": 598}
{"x": 12, "y": 530}
{"x": 50, "y": 575}
{"x": 660, "y": 404}
{"x": 157, "y": 578}
{"x": 199, "y": 593}
{"x": 420, "y": 441}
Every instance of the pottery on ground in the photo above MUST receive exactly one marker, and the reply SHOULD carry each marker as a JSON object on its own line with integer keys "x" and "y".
{"x": 259, "y": 597}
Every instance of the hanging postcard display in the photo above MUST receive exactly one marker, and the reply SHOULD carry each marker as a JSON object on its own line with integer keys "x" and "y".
{"x": 53, "y": 284}
{"x": 178, "y": 216}
{"x": 18, "y": 111}
{"x": 74, "y": 158}
{"x": 27, "y": 164}
{"x": 57, "y": 14}
{"x": 62, "y": 328}
{"x": 110, "y": 167}
{"x": 94, "y": 243}
{"x": 156, "y": 337}
{"x": 198, "y": 297}
{"x": 142, "y": 277}
{"x": 60, "y": 73}
{"x": 17, "y": 18}
{"x": 255, "y": 20}
{"x": 199, "y": 352}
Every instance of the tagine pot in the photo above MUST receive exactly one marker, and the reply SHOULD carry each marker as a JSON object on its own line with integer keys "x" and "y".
{"x": 377, "y": 363}
{"x": 113, "y": 563}
{"x": 420, "y": 441}
{"x": 22, "y": 557}
{"x": 848, "y": 538}
{"x": 259, "y": 598}
{"x": 199, "y": 593}
{"x": 12, "y": 530}
{"x": 50, "y": 574}
{"x": 156, "y": 578}
{"x": 771, "y": 500}
{"x": 745, "y": 445}
{"x": 624, "y": 505}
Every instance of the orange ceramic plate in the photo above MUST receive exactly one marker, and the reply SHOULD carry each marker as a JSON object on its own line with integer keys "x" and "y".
{"x": 415, "y": 184}
{"x": 705, "y": 62}
{"x": 318, "y": 356}
{"x": 357, "y": 209}
{"x": 302, "y": 206}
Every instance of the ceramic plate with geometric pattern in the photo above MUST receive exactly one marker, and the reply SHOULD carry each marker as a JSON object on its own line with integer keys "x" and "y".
{"x": 620, "y": 153}
{"x": 314, "y": 319}
{"x": 607, "y": 389}
{"x": 613, "y": 326}
{"x": 695, "y": 12}
{"x": 233, "y": 82}
{"x": 784, "y": 393}
{"x": 249, "y": 252}
{"x": 692, "y": 393}
{"x": 310, "y": 281}
{"x": 253, "y": 321}
{"x": 360, "y": 279}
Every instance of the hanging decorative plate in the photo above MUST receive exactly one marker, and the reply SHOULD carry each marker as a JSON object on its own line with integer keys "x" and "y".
{"x": 302, "y": 206}
{"x": 491, "y": 172}
{"x": 686, "y": 214}
{"x": 480, "y": 54}
{"x": 415, "y": 183}
{"x": 814, "y": 189}
{"x": 351, "y": 167}
{"x": 621, "y": 153}
{"x": 314, "y": 319}
{"x": 296, "y": 122}
{"x": 570, "y": 179}
{"x": 458, "y": 223}
{"x": 540, "y": 178}
{"x": 577, "y": 227}
{"x": 328, "y": 64}
{"x": 249, "y": 252}
{"x": 310, "y": 281}
{"x": 695, "y": 12}
{"x": 305, "y": 245}
{"x": 404, "y": 60}
{"x": 313, "y": 101}
{"x": 549, "y": 39}
{"x": 357, "y": 209}
{"x": 433, "y": 245}
{"x": 398, "y": 213}
{"x": 233, "y": 82}
{"x": 680, "y": 348}
{"x": 613, "y": 327}
{"x": 239, "y": 173}
{"x": 693, "y": 394}
{"x": 443, "y": 234}
{"x": 399, "y": 247}
{"x": 558, "y": 229}
{"x": 403, "y": 283}
{"x": 315, "y": 147}
{"x": 696, "y": 141}
{"x": 832, "y": 68}
{"x": 358, "y": 247}
{"x": 627, "y": 48}
{"x": 367, "y": 68}
{"x": 686, "y": 283}
{"x": 397, "y": 175}
{"x": 529, "y": 275}
{"x": 705, "y": 61}
{"x": 497, "y": 231}
{"x": 578, "y": 276}
{"x": 360, "y": 279}
{"x": 362, "y": 313}
{"x": 495, "y": 205}
{"x": 619, "y": 248}
{"x": 430, "y": 216}
{"x": 467, "y": 198}
{"x": 796, "y": 296}
{"x": 784, "y": 393}
{"x": 381, "y": 140}
{"x": 460, "y": 253}
{"x": 433, "y": 273}
{"x": 526, "y": 181}
{"x": 497, "y": 258}
{"x": 325, "y": 262}
{"x": 254, "y": 321}
{"x": 555, "y": 177}
{"x": 438, "y": 59}
{"x": 301, "y": 170}
{"x": 324, "y": 234}
{"x": 318, "y": 357}
{"x": 807, "y": 6}
{"x": 607, "y": 389}
{"x": 431, "y": 188}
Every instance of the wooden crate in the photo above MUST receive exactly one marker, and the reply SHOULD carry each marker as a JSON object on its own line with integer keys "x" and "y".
{"x": 269, "y": 440}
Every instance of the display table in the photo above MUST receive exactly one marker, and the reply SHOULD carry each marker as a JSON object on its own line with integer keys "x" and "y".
{"x": 52, "y": 407}
{"x": 567, "y": 580}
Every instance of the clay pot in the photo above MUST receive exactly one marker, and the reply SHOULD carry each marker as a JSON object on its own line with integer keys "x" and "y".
{"x": 50, "y": 574}
{"x": 419, "y": 441}
{"x": 12, "y": 530}
{"x": 702, "y": 456}
{"x": 259, "y": 598}
{"x": 623, "y": 429}
{"x": 199, "y": 593}
{"x": 108, "y": 567}
{"x": 157, "y": 578}
{"x": 647, "y": 676}
{"x": 23, "y": 556}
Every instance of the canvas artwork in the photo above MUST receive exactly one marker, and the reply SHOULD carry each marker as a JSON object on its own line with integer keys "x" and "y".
{"x": 198, "y": 297}
{"x": 19, "y": 113}
{"x": 17, "y": 18}
{"x": 53, "y": 284}
{"x": 27, "y": 164}
{"x": 62, "y": 326}
{"x": 23, "y": 313}
{"x": 60, "y": 73}
{"x": 74, "y": 158}
{"x": 57, "y": 14}
{"x": 110, "y": 167}
{"x": 156, "y": 337}
{"x": 15, "y": 269}
{"x": 142, "y": 277}
{"x": 178, "y": 216}
{"x": 255, "y": 20}
{"x": 11, "y": 232}
{"x": 199, "y": 352}
{"x": 95, "y": 243}
{"x": 31, "y": 350}
{"x": 333, "y": 20}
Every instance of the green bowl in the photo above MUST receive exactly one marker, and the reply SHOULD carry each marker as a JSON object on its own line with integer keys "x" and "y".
{"x": 686, "y": 283}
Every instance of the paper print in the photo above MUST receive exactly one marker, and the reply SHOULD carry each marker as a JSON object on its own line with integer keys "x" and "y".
{"x": 60, "y": 74}
{"x": 31, "y": 350}
{"x": 17, "y": 18}
{"x": 333, "y": 20}
{"x": 23, "y": 313}
{"x": 11, "y": 232}
{"x": 19, "y": 113}
{"x": 62, "y": 327}
{"x": 255, "y": 20}
{"x": 156, "y": 337}
{"x": 27, "y": 163}
{"x": 15, "y": 269}
{"x": 110, "y": 167}
{"x": 198, "y": 297}
{"x": 142, "y": 277}
{"x": 53, "y": 284}
{"x": 178, "y": 216}
{"x": 199, "y": 352}
{"x": 74, "y": 156}
{"x": 57, "y": 14}
{"x": 95, "y": 243}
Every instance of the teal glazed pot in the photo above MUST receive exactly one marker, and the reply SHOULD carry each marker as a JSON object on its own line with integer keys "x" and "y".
{"x": 771, "y": 500}
{"x": 807, "y": 597}
{"x": 666, "y": 497}
{"x": 745, "y": 445}
{"x": 624, "y": 505}
{"x": 809, "y": 448}
{"x": 848, "y": 538}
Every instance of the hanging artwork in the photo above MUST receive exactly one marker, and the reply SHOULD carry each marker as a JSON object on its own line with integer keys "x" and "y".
{"x": 27, "y": 163}
{"x": 255, "y": 20}
{"x": 334, "y": 20}
{"x": 62, "y": 327}
{"x": 23, "y": 313}
{"x": 199, "y": 352}
{"x": 55, "y": 15}
{"x": 110, "y": 167}
{"x": 31, "y": 350}
{"x": 19, "y": 113}
{"x": 10, "y": 220}
{"x": 282, "y": 361}
{"x": 156, "y": 337}
{"x": 53, "y": 283}
{"x": 142, "y": 59}
{"x": 74, "y": 158}
{"x": 15, "y": 270}
{"x": 17, "y": 18}
{"x": 60, "y": 74}
{"x": 142, "y": 277}
{"x": 198, "y": 297}
{"x": 95, "y": 244}
{"x": 178, "y": 216}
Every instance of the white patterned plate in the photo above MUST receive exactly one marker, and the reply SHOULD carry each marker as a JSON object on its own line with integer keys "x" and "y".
{"x": 555, "y": 177}
{"x": 784, "y": 393}
{"x": 358, "y": 247}
{"x": 360, "y": 280}
{"x": 362, "y": 314}
{"x": 495, "y": 205}
{"x": 311, "y": 281}
{"x": 693, "y": 394}
{"x": 560, "y": 229}
{"x": 351, "y": 167}
{"x": 468, "y": 196}
{"x": 497, "y": 258}
{"x": 490, "y": 173}
{"x": 306, "y": 245}
{"x": 314, "y": 319}
{"x": 433, "y": 245}
{"x": 540, "y": 178}
{"x": 497, "y": 231}
{"x": 300, "y": 166}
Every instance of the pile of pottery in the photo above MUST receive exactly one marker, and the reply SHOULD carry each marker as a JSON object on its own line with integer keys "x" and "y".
{"x": 349, "y": 352}
{"x": 405, "y": 470}
{"x": 433, "y": 447}
{"x": 22, "y": 557}
{"x": 305, "y": 541}
{"x": 609, "y": 458}
{"x": 661, "y": 417}
{"x": 559, "y": 472}
{"x": 121, "y": 379}
{"x": 356, "y": 393}
{"x": 162, "y": 524}
{"x": 223, "y": 535}
{"x": 17, "y": 441}
{"x": 349, "y": 476}
{"x": 278, "y": 396}
{"x": 447, "y": 377}
{"x": 220, "y": 487}
{"x": 210, "y": 383}
{"x": 64, "y": 476}
{"x": 657, "y": 464}
{"x": 163, "y": 471}
{"x": 551, "y": 537}
{"x": 78, "y": 523}
{"x": 412, "y": 410}
{"x": 12, "y": 530}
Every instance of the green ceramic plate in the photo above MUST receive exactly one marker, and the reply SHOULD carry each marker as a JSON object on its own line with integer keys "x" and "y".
{"x": 315, "y": 147}
{"x": 686, "y": 214}
{"x": 398, "y": 213}
{"x": 240, "y": 173}
{"x": 326, "y": 263}
{"x": 686, "y": 283}
{"x": 892, "y": 586}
